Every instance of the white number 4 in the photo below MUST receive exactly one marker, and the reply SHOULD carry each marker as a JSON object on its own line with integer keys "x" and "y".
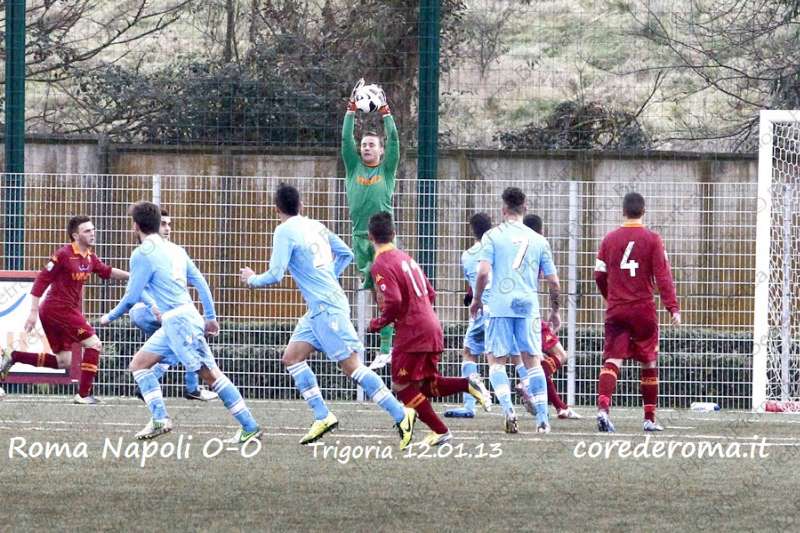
{"x": 629, "y": 265}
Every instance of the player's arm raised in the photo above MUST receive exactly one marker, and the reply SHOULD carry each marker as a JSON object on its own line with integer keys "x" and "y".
{"x": 663, "y": 275}
{"x": 391, "y": 299}
{"x": 601, "y": 270}
{"x": 278, "y": 262}
{"x": 141, "y": 272}
{"x": 349, "y": 149}
{"x": 391, "y": 158}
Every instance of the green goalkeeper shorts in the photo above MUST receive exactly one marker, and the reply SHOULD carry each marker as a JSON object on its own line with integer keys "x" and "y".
{"x": 365, "y": 255}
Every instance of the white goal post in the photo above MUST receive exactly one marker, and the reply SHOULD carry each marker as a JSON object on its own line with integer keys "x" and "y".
{"x": 776, "y": 328}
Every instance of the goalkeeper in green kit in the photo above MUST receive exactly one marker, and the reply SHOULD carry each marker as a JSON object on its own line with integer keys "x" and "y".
{"x": 370, "y": 183}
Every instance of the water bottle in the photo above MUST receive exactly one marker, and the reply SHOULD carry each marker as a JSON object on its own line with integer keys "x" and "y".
{"x": 704, "y": 407}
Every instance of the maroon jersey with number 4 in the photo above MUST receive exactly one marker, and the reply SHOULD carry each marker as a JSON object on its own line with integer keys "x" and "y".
{"x": 65, "y": 274}
{"x": 631, "y": 261}
{"x": 406, "y": 299}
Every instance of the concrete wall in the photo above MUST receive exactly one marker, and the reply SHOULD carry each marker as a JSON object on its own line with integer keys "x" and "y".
{"x": 78, "y": 155}
{"x": 703, "y": 205}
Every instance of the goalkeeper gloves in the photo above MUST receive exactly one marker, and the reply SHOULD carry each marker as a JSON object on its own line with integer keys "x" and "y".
{"x": 351, "y": 104}
{"x": 383, "y": 107}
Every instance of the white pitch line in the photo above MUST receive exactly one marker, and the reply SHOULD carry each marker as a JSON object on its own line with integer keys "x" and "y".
{"x": 625, "y": 413}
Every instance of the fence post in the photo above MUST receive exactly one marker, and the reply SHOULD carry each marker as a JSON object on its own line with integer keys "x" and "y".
{"x": 428, "y": 133}
{"x": 361, "y": 325}
{"x": 14, "y": 179}
{"x": 572, "y": 287}
{"x": 157, "y": 189}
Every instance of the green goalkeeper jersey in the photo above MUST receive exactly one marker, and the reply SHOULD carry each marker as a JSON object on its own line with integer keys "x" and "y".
{"x": 369, "y": 189}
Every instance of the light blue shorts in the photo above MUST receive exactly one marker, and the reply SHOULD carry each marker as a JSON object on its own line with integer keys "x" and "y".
{"x": 474, "y": 340}
{"x": 511, "y": 335}
{"x": 144, "y": 319}
{"x": 181, "y": 339}
{"x": 330, "y": 332}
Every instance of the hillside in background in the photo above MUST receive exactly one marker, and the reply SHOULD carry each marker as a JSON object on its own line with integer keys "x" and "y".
{"x": 546, "y": 74}
{"x": 551, "y": 52}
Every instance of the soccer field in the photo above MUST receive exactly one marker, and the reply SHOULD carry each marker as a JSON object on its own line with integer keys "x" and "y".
{"x": 744, "y": 477}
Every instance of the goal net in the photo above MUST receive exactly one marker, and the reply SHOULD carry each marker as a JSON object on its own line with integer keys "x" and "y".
{"x": 776, "y": 346}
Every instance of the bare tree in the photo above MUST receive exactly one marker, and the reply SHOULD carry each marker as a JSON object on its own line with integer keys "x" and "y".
{"x": 486, "y": 33}
{"x": 742, "y": 51}
{"x": 69, "y": 36}
{"x": 63, "y": 34}
{"x": 254, "y": 71}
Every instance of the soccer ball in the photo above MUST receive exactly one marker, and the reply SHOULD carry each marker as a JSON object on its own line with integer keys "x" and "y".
{"x": 369, "y": 98}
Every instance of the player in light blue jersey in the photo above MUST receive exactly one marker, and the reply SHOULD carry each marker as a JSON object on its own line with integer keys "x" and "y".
{"x": 480, "y": 223}
{"x": 316, "y": 257}
{"x": 474, "y": 340}
{"x": 143, "y": 317}
{"x": 165, "y": 269}
{"x": 513, "y": 254}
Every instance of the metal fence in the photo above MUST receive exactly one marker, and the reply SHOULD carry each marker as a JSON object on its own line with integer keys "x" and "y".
{"x": 226, "y": 223}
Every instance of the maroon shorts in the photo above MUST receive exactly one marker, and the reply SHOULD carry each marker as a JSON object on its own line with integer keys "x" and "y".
{"x": 64, "y": 327}
{"x": 632, "y": 333}
{"x": 549, "y": 339}
{"x": 414, "y": 366}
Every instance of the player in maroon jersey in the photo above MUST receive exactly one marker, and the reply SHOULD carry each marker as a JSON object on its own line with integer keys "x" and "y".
{"x": 406, "y": 297}
{"x": 629, "y": 260}
{"x": 61, "y": 312}
{"x": 553, "y": 352}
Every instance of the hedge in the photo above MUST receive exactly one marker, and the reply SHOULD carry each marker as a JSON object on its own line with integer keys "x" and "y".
{"x": 695, "y": 364}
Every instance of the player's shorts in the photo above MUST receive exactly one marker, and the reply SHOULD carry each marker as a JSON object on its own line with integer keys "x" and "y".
{"x": 330, "y": 332}
{"x": 181, "y": 339}
{"x": 632, "y": 333}
{"x": 507, "y": 336}
{"x": 64, "y": 327}
{"x": 364, "y": 256}
{"x": 549, "y": 339}
{"x": 475, "y": 339}
{"x": 144, "y": 319}
{"x": 414, "y": 366}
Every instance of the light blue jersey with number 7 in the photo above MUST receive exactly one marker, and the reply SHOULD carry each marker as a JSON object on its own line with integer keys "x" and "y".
{"x": 516, "y": 254}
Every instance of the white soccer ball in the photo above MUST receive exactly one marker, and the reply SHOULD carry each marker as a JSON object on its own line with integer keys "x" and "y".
{"x": 369, "y": 98}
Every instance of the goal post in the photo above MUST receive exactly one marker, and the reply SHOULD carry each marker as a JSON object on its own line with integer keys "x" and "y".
{"x": 776, "y": 358}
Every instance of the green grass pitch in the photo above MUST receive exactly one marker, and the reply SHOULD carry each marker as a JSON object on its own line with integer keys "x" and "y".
{"x": 486, "y": 481}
